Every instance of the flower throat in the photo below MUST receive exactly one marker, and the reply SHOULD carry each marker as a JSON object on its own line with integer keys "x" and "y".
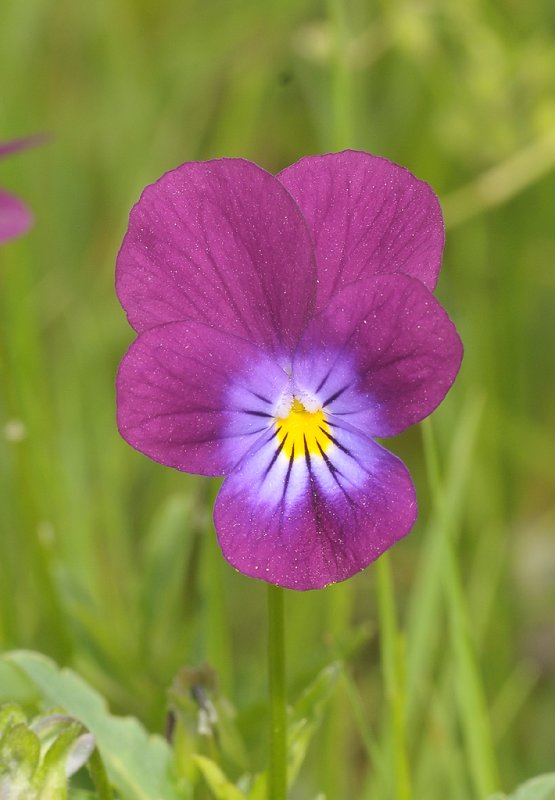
{"x": 303, "y": 432}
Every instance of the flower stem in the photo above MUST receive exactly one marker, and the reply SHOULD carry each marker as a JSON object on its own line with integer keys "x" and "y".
{"x": 277, "y": 773}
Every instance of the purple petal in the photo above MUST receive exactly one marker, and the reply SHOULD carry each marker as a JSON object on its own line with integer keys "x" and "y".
{"x": 194, "y": 398}
{"x": 223, "y": 243}
{"x": 381, "y": 356}
{"x": 7, "y": 148}
{"x": 305, "y": 522}
{"x": 15, "y": 217}
{"x": 368, "y": 216}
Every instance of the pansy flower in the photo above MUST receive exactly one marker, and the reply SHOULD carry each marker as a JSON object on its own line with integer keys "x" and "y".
{"x": 284, "y": 322}
{"x": 15, "y": 217}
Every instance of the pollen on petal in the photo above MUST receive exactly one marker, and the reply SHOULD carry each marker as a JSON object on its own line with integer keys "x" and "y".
{"x": 303, "y": 431}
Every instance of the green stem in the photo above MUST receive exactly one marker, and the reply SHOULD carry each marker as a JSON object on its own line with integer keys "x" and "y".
{"x": 277, "y": 774}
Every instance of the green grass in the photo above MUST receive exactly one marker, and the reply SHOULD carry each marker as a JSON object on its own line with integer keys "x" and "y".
{"x": 107, "y": 560}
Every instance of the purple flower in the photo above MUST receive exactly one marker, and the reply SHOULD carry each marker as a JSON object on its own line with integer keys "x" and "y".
{"x": 15, "y": 217}
{"x": 284, "y": 323}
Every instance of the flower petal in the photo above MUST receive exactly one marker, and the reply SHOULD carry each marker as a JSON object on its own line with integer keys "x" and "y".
{"x": 368, "y": 216}
{"x": 194, "y": 398}
{"x": 7, "y": 148}
{"x": 223, "y": 243}
{"x": 15, "y": 217}
{"x": 382, "y": 355}
{"x": 305, "y": 522}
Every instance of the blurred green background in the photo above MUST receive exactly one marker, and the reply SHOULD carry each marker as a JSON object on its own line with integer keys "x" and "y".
{"x": 107, "y": 560}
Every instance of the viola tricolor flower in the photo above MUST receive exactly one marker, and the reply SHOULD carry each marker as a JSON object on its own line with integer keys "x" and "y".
{"x": 283, "y": 324}
{"x": 15, "y": 217}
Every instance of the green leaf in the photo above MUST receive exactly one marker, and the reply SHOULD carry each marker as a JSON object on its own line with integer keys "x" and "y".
{"x": 540, "y": 788}
{"x": 221, "y": 788}
{"x": 66, "y": 755}
{"x": 66, "y": 746}
{"x": 52, "y": 726}
{"x": 51, "y": 778}
{"x": 258, "y": 790}
{"x": 19, "y": 758}
{"x": 14, "y": 687}
{"x": 137, "y": 764}
{"x": 307, "y": 716}
{"x": 99, "y": 777}
{"x": 11, "y": 714}
{"x": 38, "y": 758}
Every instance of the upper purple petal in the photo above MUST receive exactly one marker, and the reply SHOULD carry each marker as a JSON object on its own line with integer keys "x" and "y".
{"x": 15, "y": 217}
{"x": 221, "y": 242}
{"x": 381, "y": 355}
{"x": 305, "y": 522}
{"x": 368, "y": 216}
{"x": 195, "y": 398}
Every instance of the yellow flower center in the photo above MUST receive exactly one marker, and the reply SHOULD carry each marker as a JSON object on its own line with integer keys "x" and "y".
{"x": 301, "y": 432}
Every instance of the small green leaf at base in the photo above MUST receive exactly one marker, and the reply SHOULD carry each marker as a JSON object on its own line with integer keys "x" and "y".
{"x": 138, "y": 765}
{"x": 540, "y": 788}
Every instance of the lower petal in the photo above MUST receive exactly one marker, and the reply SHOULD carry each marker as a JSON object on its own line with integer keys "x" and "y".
{"x": 306, "y": 521}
